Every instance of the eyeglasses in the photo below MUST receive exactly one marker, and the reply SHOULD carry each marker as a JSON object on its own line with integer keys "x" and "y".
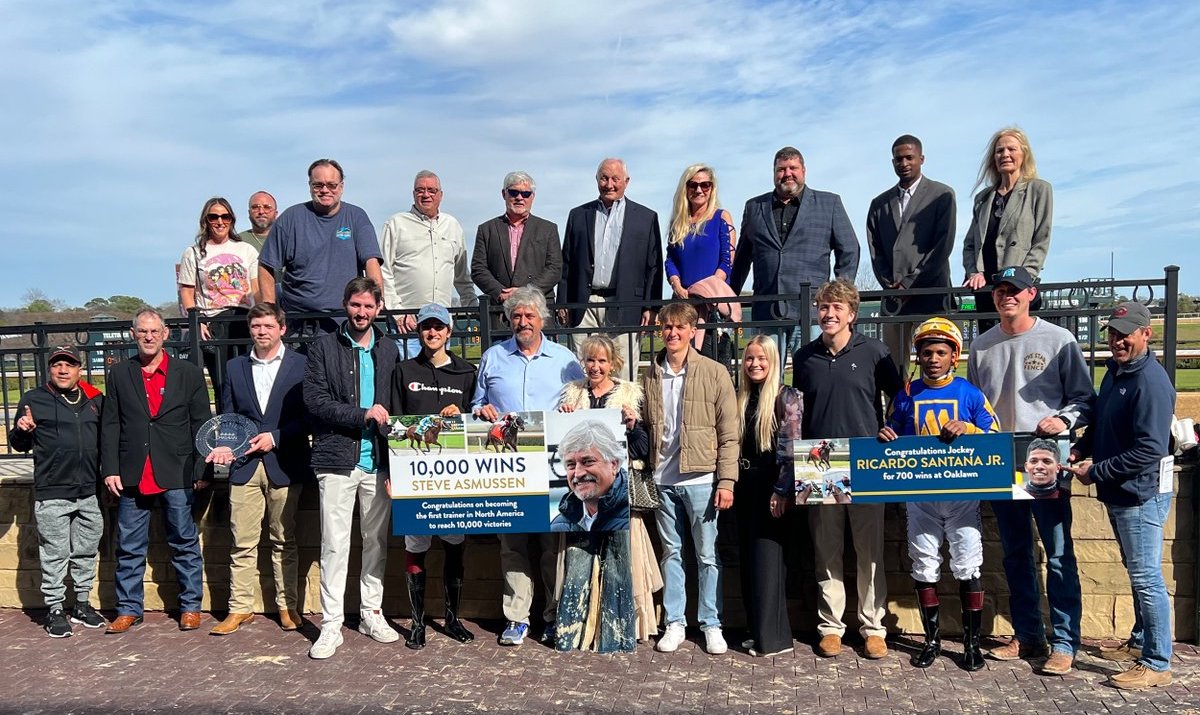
{"x": 514, "y": 193}
{"x": 699, "y": 185}
{"x": 213, "y": 218}
{"x": 261, "y": 207}
{"x": 318, "y": 185}
{"x": 422, "y": 191}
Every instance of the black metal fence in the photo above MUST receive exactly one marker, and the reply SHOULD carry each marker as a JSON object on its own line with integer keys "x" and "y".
{"x": 1079, "y": 306}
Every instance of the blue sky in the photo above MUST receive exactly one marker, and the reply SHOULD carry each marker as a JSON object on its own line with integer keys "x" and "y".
{"x": 124, "y": 116}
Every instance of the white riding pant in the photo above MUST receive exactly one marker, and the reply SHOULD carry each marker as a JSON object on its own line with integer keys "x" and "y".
{"x": 929, "y": 523}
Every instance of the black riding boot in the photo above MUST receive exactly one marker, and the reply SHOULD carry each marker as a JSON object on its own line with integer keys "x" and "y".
{"x": 452, "y": 579}
{"x": 927, "y": 602}
{"x": 416, "y": 597}
{"x": 972, "y": 600}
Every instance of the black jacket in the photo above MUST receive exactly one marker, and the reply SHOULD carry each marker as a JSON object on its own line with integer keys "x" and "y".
{"x": 65, "y": 443}
{"x": 331, "y": 396}
{"x": 419, "y": 388}
{"x": 128, "y": 433}
{"x": 612, "y": 514}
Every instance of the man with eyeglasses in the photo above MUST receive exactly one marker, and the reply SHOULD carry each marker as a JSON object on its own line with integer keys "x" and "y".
{"x": 155, "y": 406}
{"x": 517, "y": 248}
{"x": 314, "y": 249}
{"x": 262, "y": 216}
{"x": 788, "y": 236}
{"x": 424, "y": 258}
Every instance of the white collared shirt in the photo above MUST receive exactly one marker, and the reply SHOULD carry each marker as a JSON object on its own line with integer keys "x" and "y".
{"x": 667, "y": 472}
{"x": 264, "y": 373}
{"x": 610, "y": 223}
{"x": 424, "y": 261}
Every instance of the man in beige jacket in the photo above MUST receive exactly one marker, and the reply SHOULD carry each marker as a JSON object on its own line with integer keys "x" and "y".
{"x": 691, "y": 416}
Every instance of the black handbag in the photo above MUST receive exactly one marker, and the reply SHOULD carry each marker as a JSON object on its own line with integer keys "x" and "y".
{"x": 643, "y": 492}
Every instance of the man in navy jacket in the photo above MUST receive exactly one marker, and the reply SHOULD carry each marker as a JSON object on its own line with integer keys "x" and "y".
{"x": 267, "y": 387}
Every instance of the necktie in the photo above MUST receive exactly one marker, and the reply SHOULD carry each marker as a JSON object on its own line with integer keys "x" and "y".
{"x": 904, "y": 196}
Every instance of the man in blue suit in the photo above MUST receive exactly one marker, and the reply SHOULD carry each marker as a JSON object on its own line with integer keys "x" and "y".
{"x": 787, "y": 236}
{"x": 267, "y": 387}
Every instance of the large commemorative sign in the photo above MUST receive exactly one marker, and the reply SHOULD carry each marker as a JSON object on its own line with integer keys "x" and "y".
{"x": 458, "y": 475}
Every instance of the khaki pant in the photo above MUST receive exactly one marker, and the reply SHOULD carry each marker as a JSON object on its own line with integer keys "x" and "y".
{"x": 828, "y": 523}
{"x": 596, "y": 317}
{"x": 247, "y": 504}
{"x": 516, "y": 564}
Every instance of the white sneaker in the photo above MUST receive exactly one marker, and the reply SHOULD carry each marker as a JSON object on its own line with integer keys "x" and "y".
{"x": 373, "y": 624}
{"x": 714, "y": 642}
{"x": 672, "y": 638}
{"x": 327, "y": 643}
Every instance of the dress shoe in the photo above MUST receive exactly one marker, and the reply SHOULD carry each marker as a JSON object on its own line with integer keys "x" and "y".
{"x": 290, "y": 620}
{"x": 1140, "y": 677}
{"x": 830, "y": 646}
{"x": 231, "y": 623}
{"x": 124, "y": 623}
{"x": 876, "y": 648}
{"x": 189, "y": 620}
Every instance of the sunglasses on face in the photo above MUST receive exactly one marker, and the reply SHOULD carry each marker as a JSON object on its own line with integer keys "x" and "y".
{"x": 514, "y": 193}
{"x": 213, "y": 218}
{"x": 318, "y": 185}
{"x": 699, "y": 185}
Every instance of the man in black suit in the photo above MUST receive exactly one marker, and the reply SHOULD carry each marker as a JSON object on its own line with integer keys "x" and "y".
{"x": 154, "y": 408}
{"x": 612, "y": 251}
{"x": 787, "y": 236}
{"x": 517, "y": 248}
{"x": 266, "y": 386}
{"x": 910, "y": 232}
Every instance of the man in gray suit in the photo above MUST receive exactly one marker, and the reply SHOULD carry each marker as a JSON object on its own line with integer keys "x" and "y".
{"x": 517, "y": 248}
{"x": 612, "y": 250}
{"x": 910, "y": 233}
{"x": 788, "y": 236}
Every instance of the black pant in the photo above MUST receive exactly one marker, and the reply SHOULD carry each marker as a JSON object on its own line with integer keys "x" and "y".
{"x": 764, "y": 574}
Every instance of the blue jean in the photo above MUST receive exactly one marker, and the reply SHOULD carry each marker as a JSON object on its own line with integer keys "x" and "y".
{"x": 409, "y": 347}
{"x": 1052, "y": 517}
{"x": 684, "y": 510}
{"x": 133, "y": 539}
{"x": 1139, "y": 532}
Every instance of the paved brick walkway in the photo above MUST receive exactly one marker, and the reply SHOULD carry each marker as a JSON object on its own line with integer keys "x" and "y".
{"x": 261, "y": 669}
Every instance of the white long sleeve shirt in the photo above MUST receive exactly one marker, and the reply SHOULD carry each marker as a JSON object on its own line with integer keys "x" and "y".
{"x": 425, "y": 261}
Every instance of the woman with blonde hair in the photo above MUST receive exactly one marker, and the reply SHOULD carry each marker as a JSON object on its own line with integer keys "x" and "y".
{"x": 770, "y": 422}
{"x": 1011, "y": 217}
{"x": 701, "y": 243}
{"x": 599, "y": 389}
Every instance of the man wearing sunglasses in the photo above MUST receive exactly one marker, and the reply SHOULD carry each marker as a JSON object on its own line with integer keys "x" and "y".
{"x": 787, "y": 236}
{"x": 314, "y": 249}
{"x": 517, "y": 248}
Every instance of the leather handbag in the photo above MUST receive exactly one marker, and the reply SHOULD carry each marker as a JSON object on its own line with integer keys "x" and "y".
{"x": 643, "y": 492}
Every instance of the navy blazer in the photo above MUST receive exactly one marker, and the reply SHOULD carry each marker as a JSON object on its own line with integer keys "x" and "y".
{"x": 128, "y": 433}
{"x": 782, "y": 263}
{"x": 286, "y": 419}
{"x": 913, "y": 249}
{"x": 637, "y": 273}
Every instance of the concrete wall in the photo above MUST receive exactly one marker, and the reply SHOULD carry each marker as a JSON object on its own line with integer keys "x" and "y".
{"x": 1107, "y": 606}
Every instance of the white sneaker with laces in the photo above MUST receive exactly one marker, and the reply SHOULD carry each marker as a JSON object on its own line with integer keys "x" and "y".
{"x": 672, "y": 638}
{"x": 374, "y": 625}
{"x": 714, "y": 641}
{"x": 327, "y": 643}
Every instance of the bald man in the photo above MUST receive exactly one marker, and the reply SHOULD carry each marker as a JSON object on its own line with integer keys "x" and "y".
{"x": 262, "y": 212}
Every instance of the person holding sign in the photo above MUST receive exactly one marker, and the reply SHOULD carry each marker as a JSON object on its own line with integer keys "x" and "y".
{"x": 524, "y": 373}
{"x": 934, "y": 406}
{"x": 434, "y": 382}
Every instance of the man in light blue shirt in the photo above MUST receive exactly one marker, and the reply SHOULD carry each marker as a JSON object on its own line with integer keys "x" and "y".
{"x": 524, "y": 373}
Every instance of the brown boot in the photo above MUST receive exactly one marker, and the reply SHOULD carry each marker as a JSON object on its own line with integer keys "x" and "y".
{"x": 290, "y": 620}
{"x": 231, "y": 623}
{"x": 1140, "y": 677}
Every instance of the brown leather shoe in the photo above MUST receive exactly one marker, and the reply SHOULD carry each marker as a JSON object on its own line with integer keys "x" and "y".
{"x": 231, "y": 623}
{"x": 829, "y": 646}
{"x": 189, "y": 620}
{"x": 1015, "y": 649}
{"x": 1139, "y": 677}
{"x": 876, "y": 648}
{"x": 124, "y": 623}
{"x": 1058, "y": 664}
{"x": 289, "y": 620}
{"x": 1120, "y": 654}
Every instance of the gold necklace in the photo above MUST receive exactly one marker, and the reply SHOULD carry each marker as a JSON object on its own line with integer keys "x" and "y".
{"x": 69, "y": 401}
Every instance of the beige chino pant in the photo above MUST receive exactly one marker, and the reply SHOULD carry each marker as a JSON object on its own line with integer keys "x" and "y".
{"x": 828, "y": 524}
{"x": 247, "y": 505}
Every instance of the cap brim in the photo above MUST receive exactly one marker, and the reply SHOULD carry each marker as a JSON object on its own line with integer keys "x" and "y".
{"x": 1125, "y": 326}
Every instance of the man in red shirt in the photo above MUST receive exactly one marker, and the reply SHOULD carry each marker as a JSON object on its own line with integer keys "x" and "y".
{"x": 154, "y": 408}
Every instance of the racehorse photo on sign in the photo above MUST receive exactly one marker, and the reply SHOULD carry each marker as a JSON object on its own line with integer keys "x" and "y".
{"x": 421, "y": 434}
{"x": 511, "y": 432}
{"x": 822, "y": 471}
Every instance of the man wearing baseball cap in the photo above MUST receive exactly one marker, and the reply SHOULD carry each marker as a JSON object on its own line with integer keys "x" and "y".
{"x": 1127, "y": 443}
{"x": 1034, "y": 374}
{"x": 435, "y": 382}
{"x": 60, "y": 422}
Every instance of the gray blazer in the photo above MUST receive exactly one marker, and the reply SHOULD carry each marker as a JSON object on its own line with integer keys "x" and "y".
{"x": 1024, "y": 236}
{"x": 539, "y": 258}
{"x": 913, "y": 250}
